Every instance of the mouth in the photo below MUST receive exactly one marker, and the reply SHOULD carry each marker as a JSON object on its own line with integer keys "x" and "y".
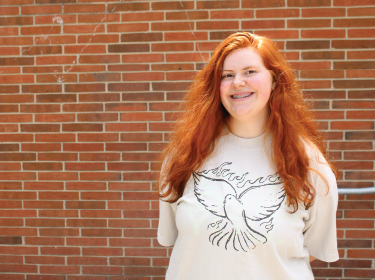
{"x": 241, "y": 95}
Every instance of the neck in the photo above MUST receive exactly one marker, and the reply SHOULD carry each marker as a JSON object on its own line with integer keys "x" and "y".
{"x": 247, "y": 129}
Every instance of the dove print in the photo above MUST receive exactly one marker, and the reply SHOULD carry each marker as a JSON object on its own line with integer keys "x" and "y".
{"x": 239, "y": 202}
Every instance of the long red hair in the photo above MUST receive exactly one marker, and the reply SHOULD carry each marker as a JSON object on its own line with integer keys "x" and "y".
{"x": 291, "y": 123}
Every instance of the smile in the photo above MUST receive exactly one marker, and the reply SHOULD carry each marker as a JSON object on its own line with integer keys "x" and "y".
{"x": 244, "y": 95}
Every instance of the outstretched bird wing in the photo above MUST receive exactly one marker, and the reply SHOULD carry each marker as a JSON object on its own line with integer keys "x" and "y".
{"x": 260, "y": 202}
{"x": 211, "y": 192}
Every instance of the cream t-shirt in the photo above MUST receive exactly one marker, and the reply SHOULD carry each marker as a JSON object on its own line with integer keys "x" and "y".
{"x": 232, "y": 220}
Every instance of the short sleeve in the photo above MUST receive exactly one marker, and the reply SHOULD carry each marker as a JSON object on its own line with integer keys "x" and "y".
{"x": 167, "y": 230}
{"x": 320, "y": 236}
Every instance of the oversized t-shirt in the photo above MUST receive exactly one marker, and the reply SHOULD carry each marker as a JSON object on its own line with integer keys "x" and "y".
{"x": 232, "y": 221}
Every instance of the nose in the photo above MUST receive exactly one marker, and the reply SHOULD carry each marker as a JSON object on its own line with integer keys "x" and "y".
{"x": 238, "y": 81}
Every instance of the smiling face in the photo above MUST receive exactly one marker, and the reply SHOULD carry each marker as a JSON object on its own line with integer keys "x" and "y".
{"x": 245, "y": 87}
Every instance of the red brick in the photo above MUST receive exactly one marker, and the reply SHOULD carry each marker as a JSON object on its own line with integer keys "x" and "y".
{"x": 363, "y": 254}
{"x": 368, "y": 11}
{"x": 11, "y": 222}
{"x": 11, "y": 259}
{"x": 260, "y": 24}
{"x": 263, "y": 3}
{"x": 101, "y": 214}
{"x": 169, "y": 26}
{"x": 143, "y": 76}
{"x": 144, "y": 58}
{"x": 58, "y": 176}
{"x": 79, "y": 241}
{"x": 100, "y": 156}
{"x": 130, "y": 223}
{"x": 42, "y": 166}
{"x": 86, "y": 277}
{"x": 56, "y": 137}
{"x": 45, "y": 222}
{"x": 360, "y": 114}
{"x": 128, "y": 166}
{"x": 19, "y": 250}
{"x": 355, "y": 224}
{"x": 125, "y": 7}
{"x": 19, "y": 231}
{"x": 125, "y": 127}
{"x": 185, "y": 36}
{"x": 85, "y": 186}
{"x": 38, "y": 147}
{"x": 44, "y": 260}
{"x": 142, "y": 16}
{"x": 98, "y": 117}
{"x": 360, "y": 73}
{"x": 191, "y": 15}
{"x": 126, "y": 107}
{"x": 323, "y": 12}
{"x": 126, "y": 147}
{"x": 323, "y": 55}
{"x": 308, "y": 23}
{"x": 172, "y": 47}
{"x": 101, "y": 233}
{"x": 172, "y": 5}
{"x": 60, "y": 250}
{"x": 361, "y": 33}
{"x": 128, "y": 186}
{"x": 143, "y": 270}
{"x": 43, "y": 204}
{"x": 82, "y": 107}
{"x": 332, "y": 33}
{"x": 354, "y": 22}
{"x": 360, "y": 175}
{"x": 135, "y": 205}
{"x": 44, "y": 185}
{"x": 353, "y": 105}
{"x": 360, "y": 234}
{"x": 102, "y": 270}
{"x": 87, "y": 260}
{"x": 354, "y": 84}
{"x": 353, "y": 44}
{"x": 17, "y": 176}
{"x": 84, "y": 166}
{"x": 352, "y": 125}
{"x": 312, "y": 3}
{"x": 141, "y": 137}
{"x": 350, "y": 145}
{"x": 100, "y": 176}
{"x": 359, "y": 273}
{"x": 18, "y": 268}
{"x": 10, "y": 128}
{"x": 317, "y": 74}
{"x": 58, "y": 213}
{"x": 45, "y": 277}
{"x": 66, "y": 269}
{"x": 86, "y": 223}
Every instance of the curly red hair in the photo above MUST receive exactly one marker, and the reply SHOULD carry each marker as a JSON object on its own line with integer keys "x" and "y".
{"x": 291, "y": 123}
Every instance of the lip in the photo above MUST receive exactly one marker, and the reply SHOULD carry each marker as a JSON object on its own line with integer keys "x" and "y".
{"x": 241, "y": 93}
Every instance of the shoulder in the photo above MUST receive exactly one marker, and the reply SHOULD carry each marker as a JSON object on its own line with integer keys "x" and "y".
{"x": 321, "y": 174}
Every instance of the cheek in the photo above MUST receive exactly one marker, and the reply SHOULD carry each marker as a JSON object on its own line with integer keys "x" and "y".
{"x": 225, "y": 87}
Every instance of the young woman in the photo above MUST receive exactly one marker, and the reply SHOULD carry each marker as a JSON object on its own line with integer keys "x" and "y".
{"x": 247, "y": 191}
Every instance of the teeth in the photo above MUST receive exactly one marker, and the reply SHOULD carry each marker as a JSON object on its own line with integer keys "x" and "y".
{"x": 240, "y": 96}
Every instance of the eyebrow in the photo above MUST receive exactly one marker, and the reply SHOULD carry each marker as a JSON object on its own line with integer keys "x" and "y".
{"x": 247, "y": 67}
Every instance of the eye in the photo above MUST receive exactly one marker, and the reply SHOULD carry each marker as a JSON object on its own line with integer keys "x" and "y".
{"x": 250, "y": 72}
{"x": 226, "y": 76}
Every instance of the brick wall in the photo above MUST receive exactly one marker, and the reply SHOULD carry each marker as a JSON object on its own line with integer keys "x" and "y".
{"x": 88, "y": 90}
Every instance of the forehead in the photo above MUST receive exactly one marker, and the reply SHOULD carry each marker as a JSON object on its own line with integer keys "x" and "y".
{"x": 242, "y": 58}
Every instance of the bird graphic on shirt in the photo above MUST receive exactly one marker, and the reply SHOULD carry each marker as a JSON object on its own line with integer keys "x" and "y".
{"x": 239, "y": 207}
